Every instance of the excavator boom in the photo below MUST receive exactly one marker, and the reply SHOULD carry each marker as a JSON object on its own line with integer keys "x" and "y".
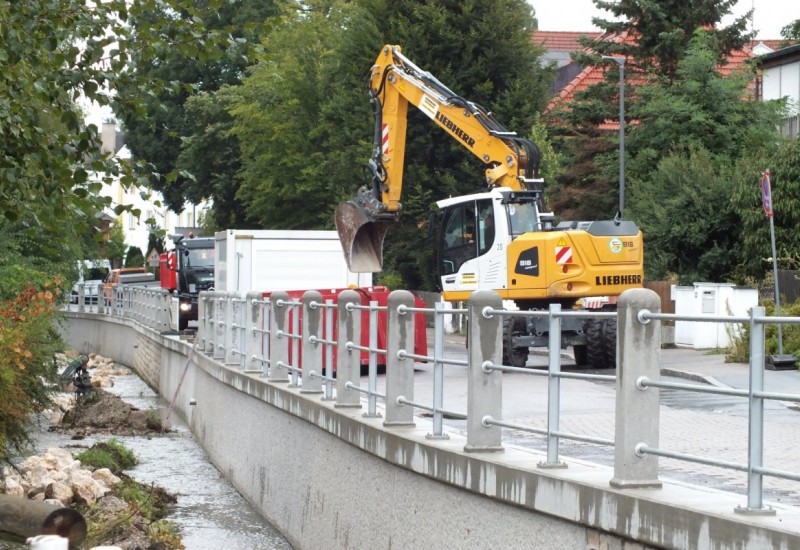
{"x": 394, "y": 82}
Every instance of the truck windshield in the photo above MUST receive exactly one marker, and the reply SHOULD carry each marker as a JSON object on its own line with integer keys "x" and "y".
{"x": 200, "y": 257}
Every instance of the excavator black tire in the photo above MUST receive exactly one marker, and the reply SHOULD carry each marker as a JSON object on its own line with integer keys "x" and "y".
{"x": 601, "y": 343}
{"x": 610, "y": 338}
{"x": 514, "y": 357}
{"x": 595, "y": 344}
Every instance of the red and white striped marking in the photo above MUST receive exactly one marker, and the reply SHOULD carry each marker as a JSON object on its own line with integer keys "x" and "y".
{"x": 563, "y": 253}
{"x": 385, "y": 140}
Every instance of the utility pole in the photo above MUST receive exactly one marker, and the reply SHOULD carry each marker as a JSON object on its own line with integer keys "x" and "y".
{"x": 620, "y": 61}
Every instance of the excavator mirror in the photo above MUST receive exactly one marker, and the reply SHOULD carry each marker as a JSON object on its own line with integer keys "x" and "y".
{"x": 361, "y": 237}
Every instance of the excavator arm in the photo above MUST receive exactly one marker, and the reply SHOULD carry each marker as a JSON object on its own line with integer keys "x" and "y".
{"x": 394, "y": 83}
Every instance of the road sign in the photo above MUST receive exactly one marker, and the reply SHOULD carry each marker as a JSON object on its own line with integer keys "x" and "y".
{"x": 152, "y": 258}
{"x": 766, "y": 194}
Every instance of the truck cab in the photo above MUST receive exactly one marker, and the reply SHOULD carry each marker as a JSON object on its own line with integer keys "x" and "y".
{"x": 187, "y": 270}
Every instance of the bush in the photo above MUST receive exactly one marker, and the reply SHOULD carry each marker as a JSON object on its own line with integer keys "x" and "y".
{"x": 111, "y": 454}
{"x": 740, "y": 346}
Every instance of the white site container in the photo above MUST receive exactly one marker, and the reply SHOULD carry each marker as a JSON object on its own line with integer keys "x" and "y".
{"x": 721, "y": 299}
{"x": 268, "y": 259}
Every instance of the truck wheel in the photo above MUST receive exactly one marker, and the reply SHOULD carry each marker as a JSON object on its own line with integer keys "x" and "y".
{"x": 610, "y": 337}
{"x": 595, "y": 344}
{"x": 581, "y": 353}
{"x": 515, "y": 357}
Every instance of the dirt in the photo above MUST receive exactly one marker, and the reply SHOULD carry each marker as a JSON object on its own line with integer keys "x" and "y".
{"x": 104, "y": 413}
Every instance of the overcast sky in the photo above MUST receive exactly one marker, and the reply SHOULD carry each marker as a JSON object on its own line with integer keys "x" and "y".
{"x": 770, "y": 16}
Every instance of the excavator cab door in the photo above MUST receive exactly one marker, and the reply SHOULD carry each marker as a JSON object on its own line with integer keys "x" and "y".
{"x": 470, "y": 244}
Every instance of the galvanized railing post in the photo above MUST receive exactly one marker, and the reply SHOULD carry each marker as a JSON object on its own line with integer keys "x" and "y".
{"x": 202, "y": 327}
{"x": 400, "y": 336}
{"x": 266, "y": 338}
{"x": 348, "y": 360}
{"x": 278, "y": 340}
{"x": 485, "y": 386}
{"x": 254, "y": 319}
{"x": 81, "y": 297}
{"x": 637, "y": 408}
{"x": 329, "y": 372}
{"x": 311, "y": 354}
{"x": 755, "y": 440}
{"x": 220, "y": 307}
{"x": 230, "y": 328}
{"x": 211, "y": 323}
{"x": 294, "y": 343}
{"x": 372, "y": 378}
{"x": 438, "y": 374}
{"x": 553, "y": 388}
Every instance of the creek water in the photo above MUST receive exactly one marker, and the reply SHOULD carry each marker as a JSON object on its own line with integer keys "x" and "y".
{"x": 210, "y": 513}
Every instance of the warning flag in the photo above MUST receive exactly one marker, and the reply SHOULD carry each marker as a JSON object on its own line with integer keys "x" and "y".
{"x": 766, "y": 194}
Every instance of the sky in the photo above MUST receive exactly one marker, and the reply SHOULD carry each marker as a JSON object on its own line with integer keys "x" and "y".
{"x": 769, "y": 17}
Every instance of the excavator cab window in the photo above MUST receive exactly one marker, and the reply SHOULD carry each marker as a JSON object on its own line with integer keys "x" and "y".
{"x": 486, "y": 231}
{"x": 523, "y": 213}
{"x": 457, "y": 242}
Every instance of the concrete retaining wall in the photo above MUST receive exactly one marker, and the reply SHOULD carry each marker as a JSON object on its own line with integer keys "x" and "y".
{"x": 330, "y": 478}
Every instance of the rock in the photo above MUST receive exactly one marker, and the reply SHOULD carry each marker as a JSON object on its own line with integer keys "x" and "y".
{"x": 13, "y": 487}
{"x": 60, "y": 492}
{"x": 105, "y": 477}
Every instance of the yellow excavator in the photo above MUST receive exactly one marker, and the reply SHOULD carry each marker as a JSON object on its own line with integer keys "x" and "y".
{"x": 502, "y": 239}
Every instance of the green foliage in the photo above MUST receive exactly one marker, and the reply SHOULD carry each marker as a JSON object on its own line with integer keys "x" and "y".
{"x": 184, "y": 131}
{"x": 689, "y": 225}
{"x": 783, "y": 162}
{"x": 693, "y": 139}
{"x": 111, "y": 454}
{"x": 134, "y": 257}
{"x": 792, "y": 31}
{"x": 115, "y": 246}
{"x": 658, "y": 37}
{"x": 740, "y": 345}
{"x": 30, "y": 291}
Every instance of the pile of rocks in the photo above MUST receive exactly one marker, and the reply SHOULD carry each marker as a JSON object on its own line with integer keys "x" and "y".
{"x": 58, "y": 478}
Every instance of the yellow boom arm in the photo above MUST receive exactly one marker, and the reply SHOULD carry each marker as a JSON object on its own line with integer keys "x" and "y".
{"x": 394, "y": 82}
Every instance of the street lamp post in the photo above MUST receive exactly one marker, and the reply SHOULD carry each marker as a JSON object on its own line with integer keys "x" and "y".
{"x": 620, "y": 61}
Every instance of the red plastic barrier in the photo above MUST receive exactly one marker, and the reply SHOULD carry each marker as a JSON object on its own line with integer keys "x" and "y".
{"x": 378, "y": 294}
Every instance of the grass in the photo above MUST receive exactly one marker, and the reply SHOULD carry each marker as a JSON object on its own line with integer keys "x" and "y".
{"x": 111, "y": 454}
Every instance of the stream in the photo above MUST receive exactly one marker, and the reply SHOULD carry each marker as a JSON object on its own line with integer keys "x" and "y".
{"x": 210, "y": 513}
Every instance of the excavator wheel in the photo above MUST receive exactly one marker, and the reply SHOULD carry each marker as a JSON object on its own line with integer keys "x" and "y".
{"x": 601, "y": 343}
{"x": 610, "y": 337}
{"x": 515, "y": 357}
{"x": 595, "y": 344}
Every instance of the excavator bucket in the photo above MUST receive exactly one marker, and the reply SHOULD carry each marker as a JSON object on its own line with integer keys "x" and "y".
{"x": 361, "y": 235}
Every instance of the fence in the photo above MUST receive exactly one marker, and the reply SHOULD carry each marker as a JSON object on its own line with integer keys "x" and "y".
{"x": 316, "y": 345}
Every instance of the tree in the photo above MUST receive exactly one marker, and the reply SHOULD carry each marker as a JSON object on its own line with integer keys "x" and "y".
{"x": 692, "y": 136}
{"x": 115, "y": 246}
{"x": 304, "y": 125}
{"x": 134, "y": 257}
{"x": 54, "y": 54}
{"x": 783, "y": 163}
{"x": 653, "y": 36}
{"x": 791, "y": 32}
{"x": 188, "y": 139}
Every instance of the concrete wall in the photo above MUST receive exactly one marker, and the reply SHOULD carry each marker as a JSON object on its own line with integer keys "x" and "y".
{"x": 330, "y": 478}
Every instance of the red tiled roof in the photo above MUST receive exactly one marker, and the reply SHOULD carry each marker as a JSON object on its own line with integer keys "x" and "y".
{"x": 565, "y": 41}
{"x": 594, "y": 74}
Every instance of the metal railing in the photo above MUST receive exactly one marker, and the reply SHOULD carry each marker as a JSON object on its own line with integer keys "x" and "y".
{"x": 310, "y": 341}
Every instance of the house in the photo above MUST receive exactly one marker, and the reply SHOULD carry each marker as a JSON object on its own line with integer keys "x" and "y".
{"x": 780, "y": 77}
{"x": 573, "y": 78}
{"x": 149, "y": 203}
